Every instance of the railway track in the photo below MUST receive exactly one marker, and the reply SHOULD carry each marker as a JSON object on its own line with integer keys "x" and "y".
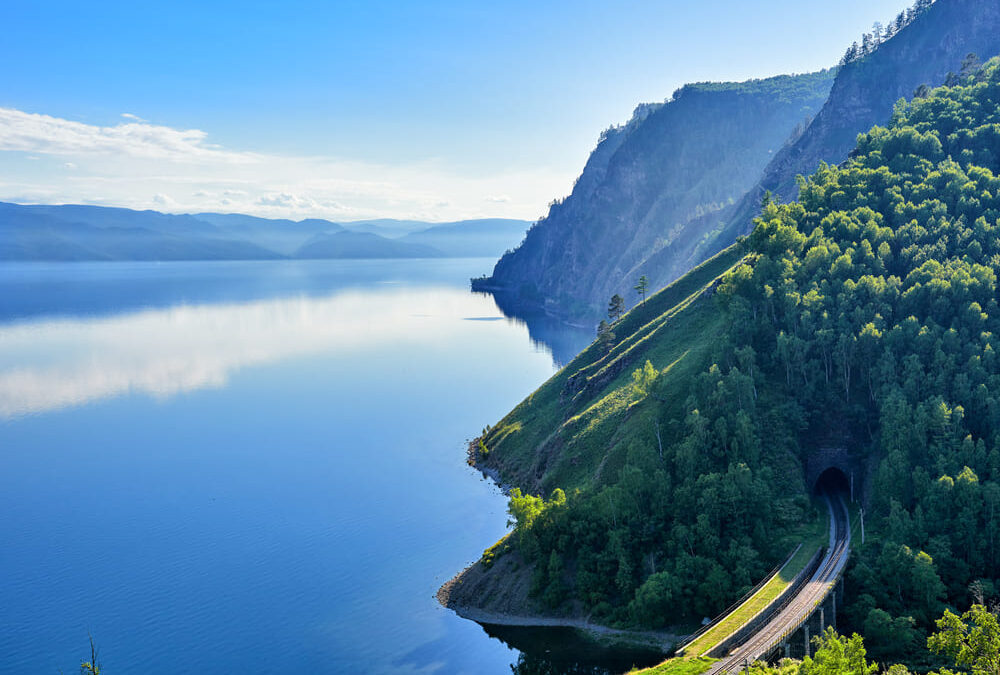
{"x": 786, "y": 619}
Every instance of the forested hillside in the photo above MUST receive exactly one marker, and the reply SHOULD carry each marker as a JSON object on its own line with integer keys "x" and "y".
{"x": 671, "y": 165}
{"x": 668, "y": 456}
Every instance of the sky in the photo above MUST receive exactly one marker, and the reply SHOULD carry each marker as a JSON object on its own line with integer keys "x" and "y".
{"x": 424, "y": 110}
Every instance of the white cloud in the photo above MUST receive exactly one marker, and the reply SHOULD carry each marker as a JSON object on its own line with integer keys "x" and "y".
{"x": 130, "y": 116}
{"x": 69, "y": 165}
{"x": 137, "y": 165}
{"x": 286, "y": 200}
{"x": 30, "y": 132}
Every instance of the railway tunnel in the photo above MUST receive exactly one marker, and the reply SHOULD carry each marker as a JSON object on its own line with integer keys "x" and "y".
{"x": 838, "y": 469}
{"x": 832, "y": 481}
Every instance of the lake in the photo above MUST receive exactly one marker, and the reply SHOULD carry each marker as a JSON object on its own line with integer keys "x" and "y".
{"x": 256, "y": 466}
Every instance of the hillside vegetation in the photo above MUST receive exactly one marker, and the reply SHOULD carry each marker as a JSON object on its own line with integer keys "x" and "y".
{"x": 659, "y": 475}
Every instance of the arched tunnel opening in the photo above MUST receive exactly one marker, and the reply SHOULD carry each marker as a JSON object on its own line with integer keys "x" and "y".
{"x": 832, "y": 481}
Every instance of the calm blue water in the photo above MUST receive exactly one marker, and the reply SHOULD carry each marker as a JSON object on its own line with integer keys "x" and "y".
{"x": 250, "y": 467}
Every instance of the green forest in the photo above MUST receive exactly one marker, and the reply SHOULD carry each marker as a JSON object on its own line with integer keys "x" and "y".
{"x": 666, "y": 460}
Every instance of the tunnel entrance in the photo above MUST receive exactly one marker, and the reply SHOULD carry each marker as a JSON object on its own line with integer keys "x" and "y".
{"x": 832, "y": 481}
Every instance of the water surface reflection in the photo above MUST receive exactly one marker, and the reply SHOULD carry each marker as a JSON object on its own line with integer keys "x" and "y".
{"x": 51, "y": 364}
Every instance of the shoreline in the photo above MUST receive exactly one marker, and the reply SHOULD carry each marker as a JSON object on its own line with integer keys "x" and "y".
{"x": 664, "y": 641}
{"x": 661, "y": 640}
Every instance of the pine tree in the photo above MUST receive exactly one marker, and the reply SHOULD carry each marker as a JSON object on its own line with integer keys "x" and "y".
{"x": 616, "y": 307}
{"x": 641, "y": 288}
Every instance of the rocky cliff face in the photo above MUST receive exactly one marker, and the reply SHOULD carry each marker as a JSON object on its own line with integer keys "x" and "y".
{"x": 647, "y": 183}
{"x": 865, "y": 92}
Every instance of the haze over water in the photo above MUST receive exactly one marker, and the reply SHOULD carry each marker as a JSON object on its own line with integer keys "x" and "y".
{"x": 249, "y": 467}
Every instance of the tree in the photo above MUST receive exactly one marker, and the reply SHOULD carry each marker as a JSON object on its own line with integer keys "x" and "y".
{"x": 605, "y": 337}
{"x": 889, "y": 637}
{"x": 616, "y": 307}
{"x": 971, "y": 640}
{"x": 92, "y": 667}
{"x": 867, "y": 45}
{"x": 838, "y": 655}
{"x": 877, "y": 32}
{"x": 970, "y": 65}
{"x": 641, "y": 288}
{"x": 899, "y": 23}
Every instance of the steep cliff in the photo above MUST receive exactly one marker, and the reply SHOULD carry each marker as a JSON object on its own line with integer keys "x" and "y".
{"x": 865, "y": 91}
{"x": 646, "y": 182}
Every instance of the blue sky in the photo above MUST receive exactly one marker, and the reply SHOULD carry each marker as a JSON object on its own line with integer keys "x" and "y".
{"x": 431, "y": 110}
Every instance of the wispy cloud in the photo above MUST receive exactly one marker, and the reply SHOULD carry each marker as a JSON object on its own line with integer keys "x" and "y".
{"x": 141, "y": 165}
{"x": 31, "y": 132}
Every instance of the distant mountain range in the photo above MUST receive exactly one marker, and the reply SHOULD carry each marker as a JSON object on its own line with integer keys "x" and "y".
{"x": 75, "y": 232}
{"x": 683, "y": 179}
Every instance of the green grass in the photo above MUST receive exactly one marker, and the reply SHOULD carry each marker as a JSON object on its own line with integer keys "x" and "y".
{"x": 573, "y": 436}
{"x": 679, "y": 667}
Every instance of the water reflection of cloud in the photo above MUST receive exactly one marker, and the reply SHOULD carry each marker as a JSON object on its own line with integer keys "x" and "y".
{"x": 51, "y": 364}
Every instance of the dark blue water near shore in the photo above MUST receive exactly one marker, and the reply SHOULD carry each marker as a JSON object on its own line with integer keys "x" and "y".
{"x": 250, "y": 467}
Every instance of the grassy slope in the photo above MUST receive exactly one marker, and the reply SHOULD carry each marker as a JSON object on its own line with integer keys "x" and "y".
{"x": 569, "y": 433}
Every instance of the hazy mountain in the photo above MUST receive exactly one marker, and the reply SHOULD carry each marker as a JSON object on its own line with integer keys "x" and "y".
{"x": 278, "y": 234}
{"x": 347, "y": 244}
{"x": 78, "y": 232}
{"x": 472, "y": 238}
{"x": 387, "y": 227}
{"x": 100, "y": 233}
{"x": 646, "y": 183}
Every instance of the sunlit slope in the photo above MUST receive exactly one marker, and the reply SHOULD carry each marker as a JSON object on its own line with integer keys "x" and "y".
{"x": 571, "y": 432}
